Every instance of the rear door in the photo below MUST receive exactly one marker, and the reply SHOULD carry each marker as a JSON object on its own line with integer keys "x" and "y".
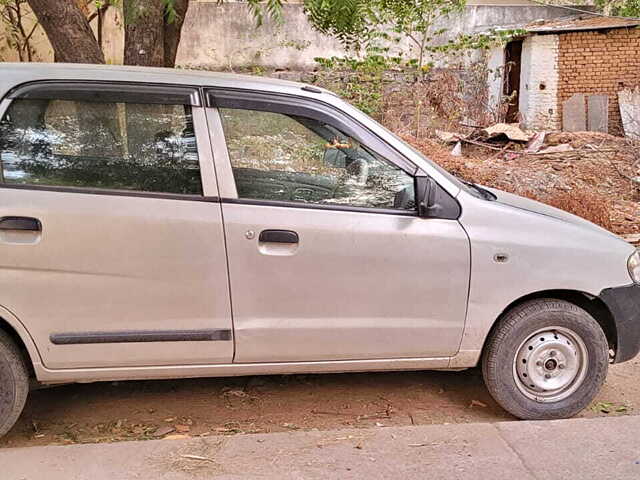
{"x": 111, "y": 239}
{"x": 327, "y": 257}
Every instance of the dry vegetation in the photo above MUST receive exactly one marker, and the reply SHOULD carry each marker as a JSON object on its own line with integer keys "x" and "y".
{"x": 594, "y": 184}
{"x": 597, "y": 179}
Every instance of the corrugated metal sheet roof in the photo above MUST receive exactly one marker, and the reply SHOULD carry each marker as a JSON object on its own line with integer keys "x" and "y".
{"x": 582, "y": 23}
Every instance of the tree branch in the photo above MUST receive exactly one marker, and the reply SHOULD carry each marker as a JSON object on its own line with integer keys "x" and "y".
{"x": 33, "y": 30}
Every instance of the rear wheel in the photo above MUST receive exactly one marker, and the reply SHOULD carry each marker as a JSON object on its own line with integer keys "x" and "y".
{"x": 14, "y": 383}
{"x": 546, "y": 359}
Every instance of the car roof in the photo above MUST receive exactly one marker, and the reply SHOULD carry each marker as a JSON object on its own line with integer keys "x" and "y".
{"x": 13, "y": 74}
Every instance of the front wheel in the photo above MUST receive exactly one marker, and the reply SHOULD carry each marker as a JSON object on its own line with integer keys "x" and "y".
{"x": 546, "y": 359}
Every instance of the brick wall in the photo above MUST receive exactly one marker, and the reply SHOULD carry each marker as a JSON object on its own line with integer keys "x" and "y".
{"x": 599, "y": 63}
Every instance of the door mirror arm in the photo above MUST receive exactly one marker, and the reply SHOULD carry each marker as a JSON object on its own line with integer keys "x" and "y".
{"x": 426, "y": 189}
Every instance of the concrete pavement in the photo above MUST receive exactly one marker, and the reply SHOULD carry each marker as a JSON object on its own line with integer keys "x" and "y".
{"x": 599, "y": 448}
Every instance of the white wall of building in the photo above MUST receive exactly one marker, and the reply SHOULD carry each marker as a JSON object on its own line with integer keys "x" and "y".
{"x": 539, "y": 78}
{"x": 495, "y": 77}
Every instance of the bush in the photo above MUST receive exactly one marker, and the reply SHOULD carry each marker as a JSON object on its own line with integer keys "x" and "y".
{"x": 583, "y": 203}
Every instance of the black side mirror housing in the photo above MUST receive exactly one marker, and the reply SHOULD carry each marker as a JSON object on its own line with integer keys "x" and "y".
{"x": 425, "y": 195}
{"x": 432, "y": 201}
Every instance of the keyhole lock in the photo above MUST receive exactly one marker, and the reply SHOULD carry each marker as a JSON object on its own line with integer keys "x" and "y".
{"x": 501, "y": 258}
{"x": 250, "y": 234}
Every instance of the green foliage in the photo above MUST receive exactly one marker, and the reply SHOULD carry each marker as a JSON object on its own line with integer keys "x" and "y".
{"x": 623, "y": 8}
{"x": 478, "y": 41}
{"x": 398, "y": 39}
{"x": 272, "y": 8}
{"x": 346, "y": 20}
{"x": 377, "y": 27}
{"x": 357, "y": 23}
{"x": 363, "y": 81}
{"x": 630, "y": 9}
{"x": 102, "y": 3}
{"x": 170, "y": 10}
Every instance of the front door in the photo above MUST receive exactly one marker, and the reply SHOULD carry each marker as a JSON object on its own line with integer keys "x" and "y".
{"x": 327, "y": 258}
{"x": 111, "y": 241}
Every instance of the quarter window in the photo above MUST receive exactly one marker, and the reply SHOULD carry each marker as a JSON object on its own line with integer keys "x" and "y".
{"x": 100, "y": 145}
{"x": 296, "y": 159}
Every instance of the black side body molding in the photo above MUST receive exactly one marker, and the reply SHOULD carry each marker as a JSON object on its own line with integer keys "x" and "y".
{"x": 624, "y": 305}
{"x": 139, "y": 336}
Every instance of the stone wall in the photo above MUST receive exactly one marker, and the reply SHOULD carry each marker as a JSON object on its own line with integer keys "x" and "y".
{"x": 224, "y": 36}
{"x": 599, "y": 63}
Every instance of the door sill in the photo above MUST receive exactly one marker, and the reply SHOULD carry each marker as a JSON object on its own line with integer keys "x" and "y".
{"x": 86, "y": 375}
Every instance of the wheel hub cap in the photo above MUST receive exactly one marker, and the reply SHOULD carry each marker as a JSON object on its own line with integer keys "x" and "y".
{"x": 550, "y": 364}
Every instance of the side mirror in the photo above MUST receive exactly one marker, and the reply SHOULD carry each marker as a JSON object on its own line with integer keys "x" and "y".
{"x": 425, "y": 195}
{"x": 334, "y": 157}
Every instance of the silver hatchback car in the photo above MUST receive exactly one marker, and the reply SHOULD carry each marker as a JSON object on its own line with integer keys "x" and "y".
{"x": 163, "y": 224}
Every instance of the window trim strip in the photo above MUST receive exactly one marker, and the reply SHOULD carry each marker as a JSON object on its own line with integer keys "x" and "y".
{"x": 318, "y": 206}
{"x": 107, "y": 192}
{"x": 126, "y": 92}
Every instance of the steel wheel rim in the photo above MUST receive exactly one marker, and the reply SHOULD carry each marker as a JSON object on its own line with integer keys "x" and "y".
{"x": 550, "y": 364}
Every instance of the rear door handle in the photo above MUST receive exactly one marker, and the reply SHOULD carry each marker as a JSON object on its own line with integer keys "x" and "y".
{"x": 28, "y": 224}
{"x": 278, "y": 236}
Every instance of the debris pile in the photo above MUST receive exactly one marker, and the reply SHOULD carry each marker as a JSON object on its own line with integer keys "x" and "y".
{"x": 591, "y": 174}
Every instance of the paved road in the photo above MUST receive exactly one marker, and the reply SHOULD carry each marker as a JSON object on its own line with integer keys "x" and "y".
{"x": 578, "y": 449}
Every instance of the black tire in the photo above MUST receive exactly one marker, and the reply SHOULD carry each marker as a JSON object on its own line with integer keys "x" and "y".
{"x": 14, "y": 383}
{"x": 517, "y": 327}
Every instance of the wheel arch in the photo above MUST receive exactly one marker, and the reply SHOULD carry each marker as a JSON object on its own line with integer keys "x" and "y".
{"x": 593, "y": 305}
{"x": 19, "y": 334}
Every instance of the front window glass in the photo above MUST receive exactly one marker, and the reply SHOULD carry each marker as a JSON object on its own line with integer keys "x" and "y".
{"x": 297, "y": 159}
{"x": 120, "y": 146}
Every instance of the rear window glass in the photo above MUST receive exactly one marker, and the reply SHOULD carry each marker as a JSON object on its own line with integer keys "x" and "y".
{"x": 119, "y": 146}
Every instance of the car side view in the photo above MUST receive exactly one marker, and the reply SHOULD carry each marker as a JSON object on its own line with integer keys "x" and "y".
{"x": 169, "y": 224}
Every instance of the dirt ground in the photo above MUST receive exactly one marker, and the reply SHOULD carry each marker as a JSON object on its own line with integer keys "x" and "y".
{"x": 120, "y": 411}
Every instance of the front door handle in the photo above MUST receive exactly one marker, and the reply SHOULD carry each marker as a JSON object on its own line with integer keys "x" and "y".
{"x": 28, "y": 224}
{"x": 278, "y": 236}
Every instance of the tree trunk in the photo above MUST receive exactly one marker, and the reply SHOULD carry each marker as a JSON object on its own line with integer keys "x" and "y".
{"x": 144, "y": 32}
{"x": 83, "y": 5}
{"x": 172, "y": 32}
{"x": 68, "y": 31}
